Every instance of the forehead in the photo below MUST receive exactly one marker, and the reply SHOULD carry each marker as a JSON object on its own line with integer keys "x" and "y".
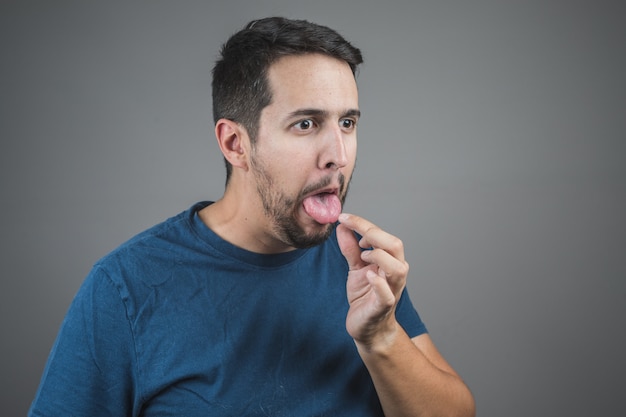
{"x": 312, "y": 81}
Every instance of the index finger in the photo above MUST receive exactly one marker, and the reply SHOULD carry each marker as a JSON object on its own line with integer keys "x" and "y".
{"x": 372, "y": 235}
{"x": 357, "y": 224}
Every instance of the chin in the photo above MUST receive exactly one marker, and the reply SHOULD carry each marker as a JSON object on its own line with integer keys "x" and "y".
{"x": 324, "y": 233}
{"x": 310, "y": 235}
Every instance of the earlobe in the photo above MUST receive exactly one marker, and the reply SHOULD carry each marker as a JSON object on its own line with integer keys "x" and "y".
{"x": 232, "y": 140}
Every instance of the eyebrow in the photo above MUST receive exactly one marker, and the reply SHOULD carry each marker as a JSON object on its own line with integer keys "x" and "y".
{"x": 322, "y": 113}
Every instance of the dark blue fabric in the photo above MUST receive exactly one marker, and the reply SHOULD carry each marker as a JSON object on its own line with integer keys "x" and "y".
{"x": 177, "y": 322}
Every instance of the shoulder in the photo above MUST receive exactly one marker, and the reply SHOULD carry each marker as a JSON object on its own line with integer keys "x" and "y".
{"x": 150, "y": 254}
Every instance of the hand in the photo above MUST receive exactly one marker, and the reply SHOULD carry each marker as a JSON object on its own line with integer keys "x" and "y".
{"x": 376, "y": 279}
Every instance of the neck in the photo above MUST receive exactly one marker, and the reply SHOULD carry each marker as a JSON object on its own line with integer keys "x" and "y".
{"x": 238, "y": 219}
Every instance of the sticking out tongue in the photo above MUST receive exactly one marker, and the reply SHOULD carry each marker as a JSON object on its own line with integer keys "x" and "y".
{"x": 323, "y": 208}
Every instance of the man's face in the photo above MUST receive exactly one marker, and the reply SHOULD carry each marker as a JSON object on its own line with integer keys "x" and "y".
{"x": 305, "y": 150}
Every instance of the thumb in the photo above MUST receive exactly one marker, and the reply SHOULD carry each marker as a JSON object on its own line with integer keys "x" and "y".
{"x": 349, "y": 246}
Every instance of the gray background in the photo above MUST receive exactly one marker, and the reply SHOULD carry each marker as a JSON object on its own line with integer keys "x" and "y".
{"x": 493, "y": 143}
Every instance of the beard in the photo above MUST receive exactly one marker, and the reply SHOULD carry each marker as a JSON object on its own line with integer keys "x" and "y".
{"x": 283, "y": 209}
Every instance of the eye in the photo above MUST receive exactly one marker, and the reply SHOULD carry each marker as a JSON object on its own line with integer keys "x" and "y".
{"x": 347, "y": 124}
{"x": 305, "y": 124}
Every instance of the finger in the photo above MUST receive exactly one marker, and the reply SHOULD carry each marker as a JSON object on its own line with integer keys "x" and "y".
{"x": 356, "y": 223}
{"x": 349, "y": 247}
{"x": 373, "y": 236}
{"x": 393, "y": 267}
{"x": 384, "y": 293}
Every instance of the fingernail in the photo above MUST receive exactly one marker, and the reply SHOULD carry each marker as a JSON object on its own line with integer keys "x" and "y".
{"x": 343, "y": 217}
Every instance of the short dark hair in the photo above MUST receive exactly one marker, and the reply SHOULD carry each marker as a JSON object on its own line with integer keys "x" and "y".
{"x": 240, "y": 85}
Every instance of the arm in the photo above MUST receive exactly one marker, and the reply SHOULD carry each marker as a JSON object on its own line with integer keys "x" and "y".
{"x": 410, "y": 375}
{"x": 89, "y": 370}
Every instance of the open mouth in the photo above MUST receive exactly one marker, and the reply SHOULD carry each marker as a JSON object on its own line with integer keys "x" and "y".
{"x": 324, "y": 207}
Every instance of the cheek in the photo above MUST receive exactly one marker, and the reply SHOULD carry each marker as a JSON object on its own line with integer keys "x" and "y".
{"x": 290, "y": 173}
{"x": 351, "y": 148}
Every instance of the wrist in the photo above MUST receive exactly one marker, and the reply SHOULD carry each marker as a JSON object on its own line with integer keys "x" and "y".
{"x": 381, "y": 341}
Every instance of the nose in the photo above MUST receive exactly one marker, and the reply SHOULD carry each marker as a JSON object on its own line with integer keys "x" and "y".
{"x": 334, "y": 154}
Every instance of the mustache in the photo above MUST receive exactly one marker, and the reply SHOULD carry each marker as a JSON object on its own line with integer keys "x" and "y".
{"x": 323, "y": 183}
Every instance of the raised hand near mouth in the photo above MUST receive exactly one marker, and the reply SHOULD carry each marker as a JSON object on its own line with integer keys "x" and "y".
{"x": 377, "y": 276}
{"x": 410, "y": 375}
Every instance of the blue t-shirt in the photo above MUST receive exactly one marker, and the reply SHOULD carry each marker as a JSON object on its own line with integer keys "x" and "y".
{"x": 178, "y": 322}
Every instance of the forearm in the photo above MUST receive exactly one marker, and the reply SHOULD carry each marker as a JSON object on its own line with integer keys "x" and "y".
{"x": 411, "y": 377}
{"x": 408, "y": 383}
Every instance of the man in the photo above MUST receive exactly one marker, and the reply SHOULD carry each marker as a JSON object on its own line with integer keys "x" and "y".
{"x": 257, "y": 304}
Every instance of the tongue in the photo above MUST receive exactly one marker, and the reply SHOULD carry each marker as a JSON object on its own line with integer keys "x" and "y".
{"x": 323, "y": 208}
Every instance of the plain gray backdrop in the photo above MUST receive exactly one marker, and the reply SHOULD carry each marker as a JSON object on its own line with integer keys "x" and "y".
{"x": 493, "y": 142}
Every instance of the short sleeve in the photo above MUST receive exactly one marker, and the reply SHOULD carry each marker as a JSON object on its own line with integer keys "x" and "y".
{"x": 408, "y": 317}
{"x": 91, "y": 367}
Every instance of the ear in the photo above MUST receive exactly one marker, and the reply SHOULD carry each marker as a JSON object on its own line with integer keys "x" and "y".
{"x": 233, "y": 141}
